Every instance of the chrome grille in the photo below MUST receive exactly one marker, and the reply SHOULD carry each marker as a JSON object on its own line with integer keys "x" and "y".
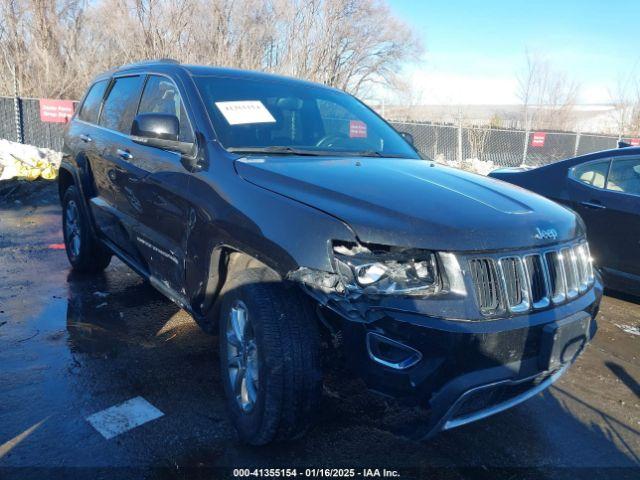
{"x": 520, "y": 283}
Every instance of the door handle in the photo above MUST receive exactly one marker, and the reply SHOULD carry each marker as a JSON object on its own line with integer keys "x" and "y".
{"x": 86, "y": 138}
{"x": 123, "y": 154}
{"x": 593, "y": 204}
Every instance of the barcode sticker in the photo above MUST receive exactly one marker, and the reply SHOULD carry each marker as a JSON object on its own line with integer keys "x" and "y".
{"x": 244, "y": 112}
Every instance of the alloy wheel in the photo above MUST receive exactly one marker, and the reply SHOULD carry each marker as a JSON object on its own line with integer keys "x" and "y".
{"x": 242, "y": 356}
{"x": 72, "y": 228}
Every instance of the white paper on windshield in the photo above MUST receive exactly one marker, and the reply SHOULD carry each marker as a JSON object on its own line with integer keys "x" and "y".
{"x": 245, "y": 111}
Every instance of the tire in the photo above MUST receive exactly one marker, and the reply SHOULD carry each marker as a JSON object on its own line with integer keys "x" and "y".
{"x": 84, "y": 251}
{"x": 286, "y": 345}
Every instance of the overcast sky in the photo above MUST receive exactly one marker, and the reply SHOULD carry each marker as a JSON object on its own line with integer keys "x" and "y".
{"x": 474, "y": 49}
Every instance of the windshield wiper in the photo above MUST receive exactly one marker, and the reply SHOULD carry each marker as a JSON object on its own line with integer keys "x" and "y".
{"x": 277, "y": 149}
{"x": 375, "y": 153}
{"x": 369, "y": 153}
{"x": 285, "y": 150}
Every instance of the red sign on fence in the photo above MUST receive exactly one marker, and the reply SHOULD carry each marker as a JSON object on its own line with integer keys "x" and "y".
{"x": 538, "y": 138}
{"x": 635, "y": 142}
{"x": 57, "y": 111}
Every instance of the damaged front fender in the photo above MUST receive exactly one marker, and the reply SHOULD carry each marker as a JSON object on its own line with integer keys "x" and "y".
{"x": 327, "y": 289}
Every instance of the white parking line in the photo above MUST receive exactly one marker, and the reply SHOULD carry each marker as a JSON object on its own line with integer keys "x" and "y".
{"x": 123, "y": 417}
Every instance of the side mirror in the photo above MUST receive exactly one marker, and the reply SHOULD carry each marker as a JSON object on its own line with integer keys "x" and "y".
{"x": 407, "y": 136}
{"x": 159, "y": 130}
{"x": 156, "y": 125}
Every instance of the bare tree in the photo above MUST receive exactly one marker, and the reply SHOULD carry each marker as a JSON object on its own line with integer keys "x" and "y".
{"x": 625, "y": 99}
{"x": 548, "y": 97}
{"x": 58, "y": 45}
{"x": 39, "y": 38}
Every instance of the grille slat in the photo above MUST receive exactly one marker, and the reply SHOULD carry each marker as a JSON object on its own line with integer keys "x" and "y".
{"x": 570, "y": 271}
{"x": 583, "y": 263}
{"x": 512, "y": 280}
{"x": 556, "y": 276}
{"x": 532, "y": 281}
{"x": 485, "y": 279}
{"x": 514, "y": 283}
{"x": 537, "y": 281}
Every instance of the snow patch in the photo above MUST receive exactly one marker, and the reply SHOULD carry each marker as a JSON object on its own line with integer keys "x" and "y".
{"x": 27, "y": 161}
{"x": 473, "y": 165}
{"x": 632, "y": 329}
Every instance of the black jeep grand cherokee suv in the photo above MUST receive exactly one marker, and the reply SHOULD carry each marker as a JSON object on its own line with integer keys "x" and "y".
{"x": 269, "y": 208}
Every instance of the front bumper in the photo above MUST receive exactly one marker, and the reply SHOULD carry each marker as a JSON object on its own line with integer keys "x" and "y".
{"x": 465, "y": 371}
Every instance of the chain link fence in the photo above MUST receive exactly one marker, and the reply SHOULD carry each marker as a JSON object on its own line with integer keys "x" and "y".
{"x": 507, "y": 148}
{"x": 8, "y": 119}
{"x": 20, "y": 121}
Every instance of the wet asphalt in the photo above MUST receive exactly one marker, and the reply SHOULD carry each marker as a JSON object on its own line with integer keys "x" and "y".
{"x": 73, "y": 345}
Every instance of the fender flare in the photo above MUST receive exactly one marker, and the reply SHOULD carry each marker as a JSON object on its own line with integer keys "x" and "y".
{"x": 72, "y": 170}
{"x": 206, "y": 313}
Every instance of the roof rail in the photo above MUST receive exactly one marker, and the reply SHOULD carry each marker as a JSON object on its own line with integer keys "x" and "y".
{"x": 622, "y": 144}
{"x": 152, "y": 61}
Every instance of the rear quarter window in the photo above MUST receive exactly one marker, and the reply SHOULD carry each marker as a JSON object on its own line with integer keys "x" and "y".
{"x": 625, "y": 176}
{"x": 592, "y": 173}
{"x": 91, "y": 105}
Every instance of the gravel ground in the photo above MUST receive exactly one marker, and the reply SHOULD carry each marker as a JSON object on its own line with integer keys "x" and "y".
{"x": 71, "y": 346}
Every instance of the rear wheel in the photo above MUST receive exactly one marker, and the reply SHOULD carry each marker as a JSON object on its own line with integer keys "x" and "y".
{"x": 84, "y": 251}
{"x": 269, "y": 358}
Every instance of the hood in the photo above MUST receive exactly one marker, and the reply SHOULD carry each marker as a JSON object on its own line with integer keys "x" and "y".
{"x": 415, "y": 203}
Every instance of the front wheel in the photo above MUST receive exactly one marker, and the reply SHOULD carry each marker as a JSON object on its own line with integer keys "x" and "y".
{"x": 269, "y": 358}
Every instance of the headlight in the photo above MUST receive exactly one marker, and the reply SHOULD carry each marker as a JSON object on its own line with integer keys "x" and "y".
{"x": 368, "y": 279}
{"x": 388, "y": 271}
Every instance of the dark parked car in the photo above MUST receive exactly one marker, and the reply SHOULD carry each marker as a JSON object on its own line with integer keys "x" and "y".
{"x": 604, "y": 188}
{"x": 276, "y": 210}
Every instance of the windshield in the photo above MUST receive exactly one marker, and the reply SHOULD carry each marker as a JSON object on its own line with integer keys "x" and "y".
{"x": 292, "y": 118}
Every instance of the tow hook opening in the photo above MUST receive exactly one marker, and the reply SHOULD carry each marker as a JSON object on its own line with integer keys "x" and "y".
{"x": 391, "y": 353}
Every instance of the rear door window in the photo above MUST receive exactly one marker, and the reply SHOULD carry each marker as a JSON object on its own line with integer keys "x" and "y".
{"x": 121, "y": 104}
{"x": 161, "y": 96}
{"x": 625, "y": 176}
{"x": 91, "y": 105}
{"x": 592, "y": 173}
